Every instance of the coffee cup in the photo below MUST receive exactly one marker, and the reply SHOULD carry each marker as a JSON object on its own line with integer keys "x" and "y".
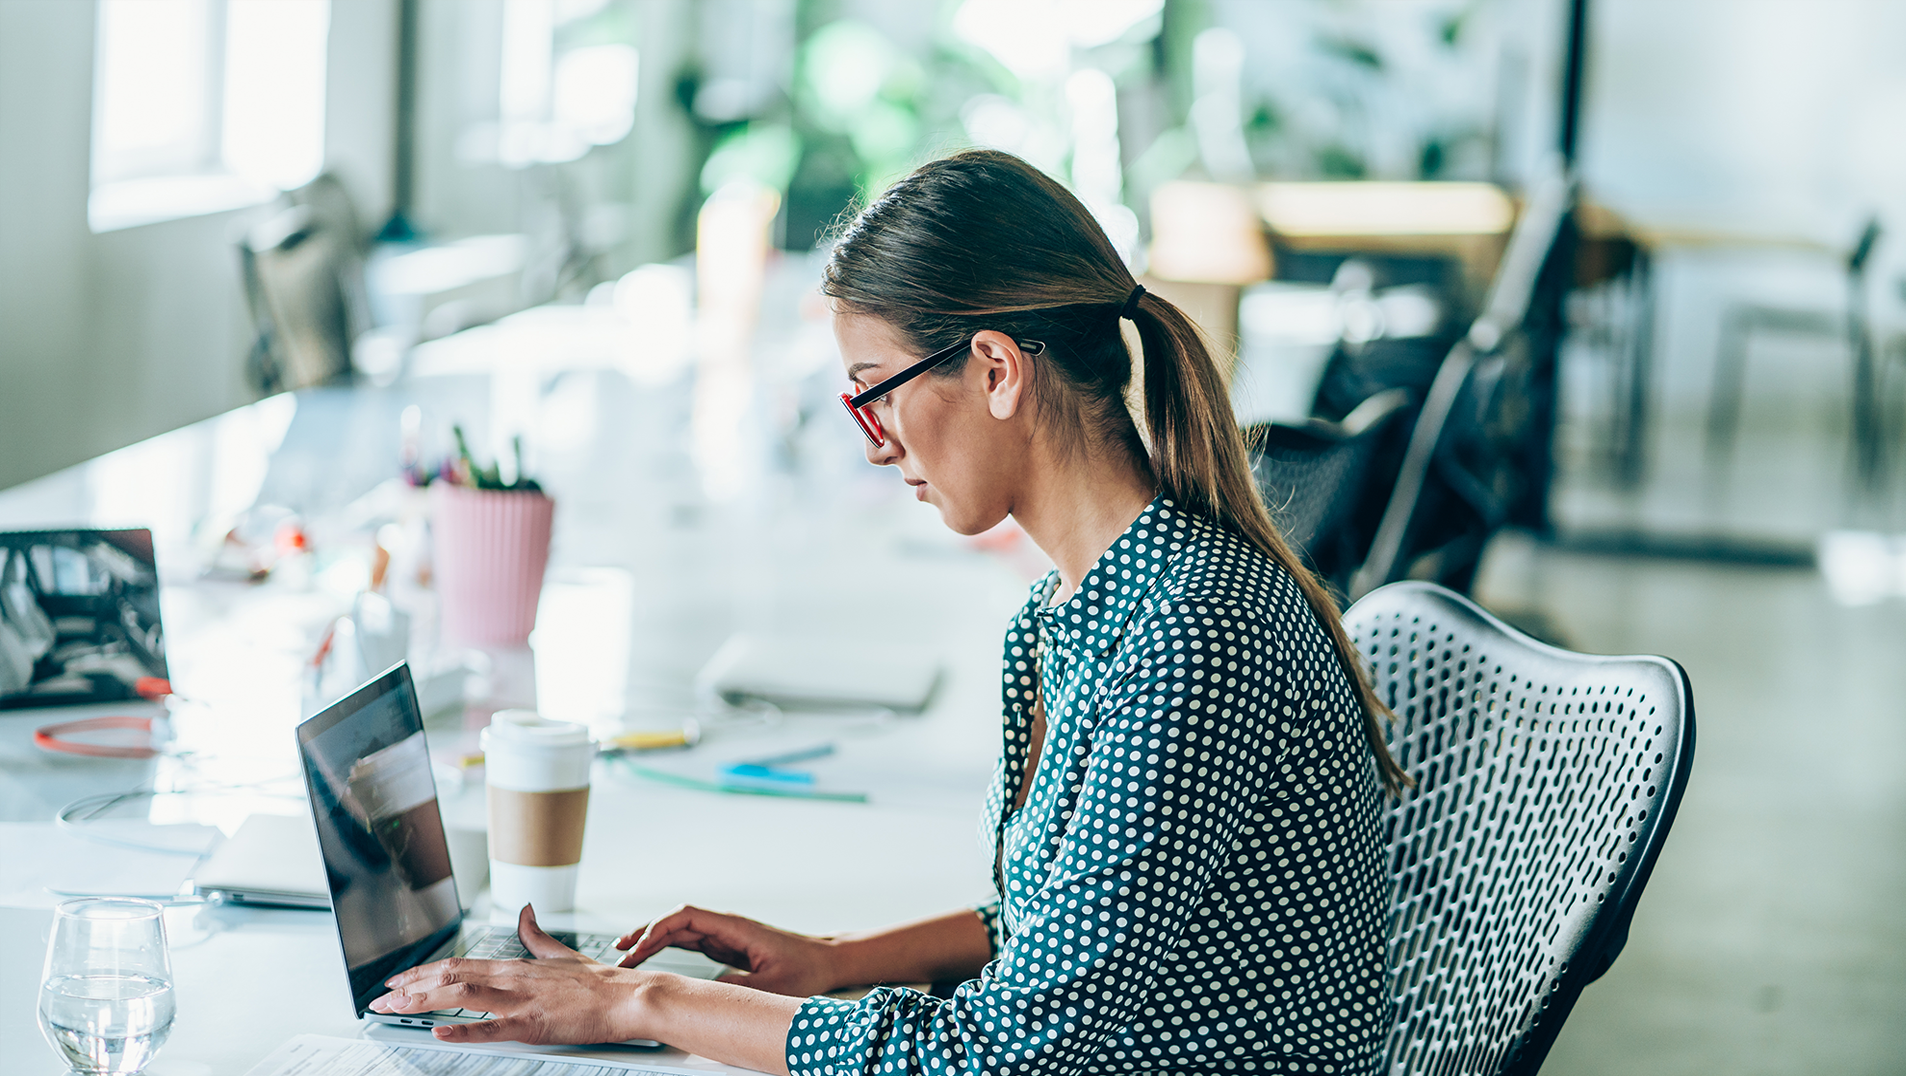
{"x": 394, "y": 790}
{"x": 536, "y": 774}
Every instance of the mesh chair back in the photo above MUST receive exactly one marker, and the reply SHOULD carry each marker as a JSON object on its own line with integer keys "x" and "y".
{"x": 1313, "y": 476}
{"x": 1309, "y": 480}
{"x": 1545, "y": 783}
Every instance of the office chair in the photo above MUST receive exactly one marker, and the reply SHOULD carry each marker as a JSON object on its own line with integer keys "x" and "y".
{"x": 1313, "y": 475}
{"x": 1460, "y": 473}
{"x": 1546, "y": 782}
{"x": 303, "y": 271}
{"x": 1744, "y": 320}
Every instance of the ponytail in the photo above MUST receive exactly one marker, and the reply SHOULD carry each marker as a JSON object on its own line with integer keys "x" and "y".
{"x": 1199, "y": 457}
{"x": 983, "y": 240}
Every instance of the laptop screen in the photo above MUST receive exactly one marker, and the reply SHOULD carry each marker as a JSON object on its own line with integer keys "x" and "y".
{"x": 386, "y": 862}
{"x": 79, "y": 616}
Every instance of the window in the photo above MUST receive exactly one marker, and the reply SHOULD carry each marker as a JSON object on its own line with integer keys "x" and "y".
{"x": 204, "y": 105}
{"x": 568, "y": 80}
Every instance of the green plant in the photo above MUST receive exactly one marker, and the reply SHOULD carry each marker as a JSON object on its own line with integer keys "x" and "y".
{"x": 464, "y": 470}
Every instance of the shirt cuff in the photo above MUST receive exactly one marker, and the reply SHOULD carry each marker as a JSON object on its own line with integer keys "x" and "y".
{"x": 815, "y": 1036}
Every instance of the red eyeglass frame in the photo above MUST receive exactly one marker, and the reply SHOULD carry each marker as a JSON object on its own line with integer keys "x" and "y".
{"x": 857, "y": 405}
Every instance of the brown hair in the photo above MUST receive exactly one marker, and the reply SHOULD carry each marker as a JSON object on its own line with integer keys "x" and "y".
{"x": 983, "y": 240}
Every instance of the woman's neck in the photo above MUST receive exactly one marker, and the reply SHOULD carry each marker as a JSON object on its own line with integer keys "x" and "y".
{"x": 1077, "y": 506}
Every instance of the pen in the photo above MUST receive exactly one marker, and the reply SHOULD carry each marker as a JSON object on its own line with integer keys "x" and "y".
{"x": 749, "y": 771}
{"x": 698, "y": 783}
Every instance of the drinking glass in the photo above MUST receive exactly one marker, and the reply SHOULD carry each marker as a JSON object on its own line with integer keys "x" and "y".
{"x": 106, "y": 997}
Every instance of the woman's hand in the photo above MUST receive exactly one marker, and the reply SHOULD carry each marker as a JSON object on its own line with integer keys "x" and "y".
{"x": 767, "y": 958}
{"x": 559, "y": 997}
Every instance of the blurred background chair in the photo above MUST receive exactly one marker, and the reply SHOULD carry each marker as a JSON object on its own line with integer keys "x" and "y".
{"x": 1313, "y": 475}
{"x": 1743, "y": 321}
{"x": 1469, "y": 457}
{"x": 303, "y": 270}
{"x": 1545, "y": 784}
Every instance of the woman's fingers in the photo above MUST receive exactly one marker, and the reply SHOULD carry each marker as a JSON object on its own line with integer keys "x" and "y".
{"x": 502, "y": 1029}
{"x": 635, "y": 935}
{"x": 673, "y": 921}
{"x": 462, "y": 994}
{"x": 685, "y": 928}
{"x": 656, "y": 941}
{"x": 431, "y": 974}
{"x": 542, "y": 1001}
{"x": 538, "y": 941}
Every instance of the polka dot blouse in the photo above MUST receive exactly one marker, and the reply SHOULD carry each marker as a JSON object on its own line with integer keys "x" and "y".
{"x": 1194, "y": 883}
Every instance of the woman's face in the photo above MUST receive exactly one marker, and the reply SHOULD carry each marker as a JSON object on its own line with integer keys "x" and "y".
{"x": 944, "y": 433}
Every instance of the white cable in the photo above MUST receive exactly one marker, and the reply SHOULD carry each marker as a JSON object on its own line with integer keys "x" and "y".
{"x": 64, "y": 819}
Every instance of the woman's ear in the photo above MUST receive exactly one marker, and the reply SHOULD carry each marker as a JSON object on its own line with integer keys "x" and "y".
{"x": 1005, "y": 371}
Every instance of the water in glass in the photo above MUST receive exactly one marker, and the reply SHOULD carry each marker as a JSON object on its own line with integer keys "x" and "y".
{"x": 106, "y": 1023}
{"x": 106, "y": 999}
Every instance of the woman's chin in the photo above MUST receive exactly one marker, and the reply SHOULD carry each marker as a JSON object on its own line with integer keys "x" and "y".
{"x": 966, "y": 524}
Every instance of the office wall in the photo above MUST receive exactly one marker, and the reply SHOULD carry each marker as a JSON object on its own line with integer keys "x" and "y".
{"x": 1742, "y": 119}
{"x": 1749, "y": 115}
{"x": 646, "y": 181}
{"x": 109, "y": 339}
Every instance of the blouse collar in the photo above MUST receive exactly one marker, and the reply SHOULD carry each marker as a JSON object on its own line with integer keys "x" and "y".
{"x": 1093, "y": 620}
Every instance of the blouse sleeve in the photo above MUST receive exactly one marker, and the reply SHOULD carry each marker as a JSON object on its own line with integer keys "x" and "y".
{"x": 1179, "y": 753}
{"x": 989, "y": 918}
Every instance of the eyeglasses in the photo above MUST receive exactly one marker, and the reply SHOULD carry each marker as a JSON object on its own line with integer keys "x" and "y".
{"x": 861, "y": 406}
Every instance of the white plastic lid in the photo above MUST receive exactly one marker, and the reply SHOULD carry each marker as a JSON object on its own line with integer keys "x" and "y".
{"x": 525, "y": 751}
{"x": 527, "y": 728}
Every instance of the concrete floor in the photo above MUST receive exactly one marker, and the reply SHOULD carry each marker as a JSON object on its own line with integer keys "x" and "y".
{"x": 1772, "y": 937}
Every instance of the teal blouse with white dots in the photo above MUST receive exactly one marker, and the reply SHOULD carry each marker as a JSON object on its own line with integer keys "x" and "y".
{"x": 1194, "y": 882}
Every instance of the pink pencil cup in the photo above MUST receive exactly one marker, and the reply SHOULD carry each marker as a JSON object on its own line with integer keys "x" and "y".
{"x": 490, "y": 548}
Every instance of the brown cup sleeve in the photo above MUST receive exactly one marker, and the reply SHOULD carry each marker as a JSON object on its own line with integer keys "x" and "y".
{"x": 537, "y": 829}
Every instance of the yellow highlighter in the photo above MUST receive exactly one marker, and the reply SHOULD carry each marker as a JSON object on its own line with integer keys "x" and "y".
{"x": 656, "y": 739}
{"x": 688, "y": 735}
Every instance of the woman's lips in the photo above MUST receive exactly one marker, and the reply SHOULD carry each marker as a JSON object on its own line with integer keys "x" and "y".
{"x": 919, "y": 488}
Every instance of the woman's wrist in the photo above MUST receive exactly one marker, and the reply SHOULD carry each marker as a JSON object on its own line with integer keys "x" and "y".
{"x": 951, "y": 946}
{"x": 641, "y": 1011}
{"x": 728, "y": 1023}
{"x": 849, "y": 962}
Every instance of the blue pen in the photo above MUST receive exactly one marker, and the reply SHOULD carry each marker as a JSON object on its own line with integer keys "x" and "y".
{"x": 753, "y": 771}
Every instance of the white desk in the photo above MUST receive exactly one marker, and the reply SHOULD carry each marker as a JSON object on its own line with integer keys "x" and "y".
{"x": 829, "y": 551}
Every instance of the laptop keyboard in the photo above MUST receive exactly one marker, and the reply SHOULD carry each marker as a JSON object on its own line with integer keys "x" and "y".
{"x": 505, "y": 945}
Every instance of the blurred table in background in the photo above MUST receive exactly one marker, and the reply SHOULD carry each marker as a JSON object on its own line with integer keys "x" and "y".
{"x": 1212, "y": 240}
{"x": 1468, "y": 223}
{"x": 648, "y": 578}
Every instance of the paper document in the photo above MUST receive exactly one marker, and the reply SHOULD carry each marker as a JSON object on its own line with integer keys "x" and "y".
{"x": 322, "y": 1055}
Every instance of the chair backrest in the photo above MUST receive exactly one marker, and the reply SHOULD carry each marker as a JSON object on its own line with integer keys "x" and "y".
{"x": 1396, "y": 546}
{"x": 303, "y": 270}
{"x": 1312, "y": 474}
{"x": 1545, "y": 784}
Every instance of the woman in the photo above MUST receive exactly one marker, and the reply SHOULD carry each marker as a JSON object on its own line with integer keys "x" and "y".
{"x": 1185, "y": 813}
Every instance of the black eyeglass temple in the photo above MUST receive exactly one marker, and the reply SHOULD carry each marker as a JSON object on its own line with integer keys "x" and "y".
{"x": 1030, "y": 347}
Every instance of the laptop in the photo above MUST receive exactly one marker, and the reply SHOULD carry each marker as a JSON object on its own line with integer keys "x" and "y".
{"x": 272, "y": 861}
{"x": 79, "y": 618}
{"x": 386, "y": 862}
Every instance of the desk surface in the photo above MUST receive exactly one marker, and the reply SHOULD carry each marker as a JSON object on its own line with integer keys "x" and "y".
{"x": 690, "y": 572}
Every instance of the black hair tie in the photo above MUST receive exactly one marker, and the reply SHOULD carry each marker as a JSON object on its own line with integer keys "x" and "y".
{"x": 1130, "y": 310}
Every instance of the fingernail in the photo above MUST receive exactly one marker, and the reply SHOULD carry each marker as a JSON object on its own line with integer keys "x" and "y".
{"x": 381, "y": 1004}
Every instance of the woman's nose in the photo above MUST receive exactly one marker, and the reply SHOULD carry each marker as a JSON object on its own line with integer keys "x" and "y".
{"x": 885, "y": 454}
